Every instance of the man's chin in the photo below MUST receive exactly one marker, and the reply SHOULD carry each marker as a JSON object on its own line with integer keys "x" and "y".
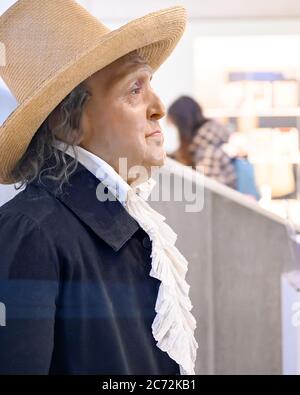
{"x": 159, "y": 160}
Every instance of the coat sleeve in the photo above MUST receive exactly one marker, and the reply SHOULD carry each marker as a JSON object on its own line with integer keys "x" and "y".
{"x": 28, "y": 291}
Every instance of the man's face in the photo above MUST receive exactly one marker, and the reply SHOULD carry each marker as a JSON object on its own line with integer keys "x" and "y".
{"x": 121, "y": 113}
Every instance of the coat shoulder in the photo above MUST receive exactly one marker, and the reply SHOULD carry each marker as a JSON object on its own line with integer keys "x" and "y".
{"x": 34, "y": 203}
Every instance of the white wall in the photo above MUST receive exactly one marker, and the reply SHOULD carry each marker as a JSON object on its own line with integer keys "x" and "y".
{"x": 115, "y": 9}
{"x": 5, "y": 4}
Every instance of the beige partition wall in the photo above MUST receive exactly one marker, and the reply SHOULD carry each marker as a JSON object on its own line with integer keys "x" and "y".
{"x": 236, "y": 252}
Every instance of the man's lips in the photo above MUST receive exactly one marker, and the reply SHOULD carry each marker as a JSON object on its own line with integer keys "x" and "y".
{"x": 154, "y": 133}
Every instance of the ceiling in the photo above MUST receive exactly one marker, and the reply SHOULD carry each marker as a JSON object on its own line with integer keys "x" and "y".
{"x": 114, "y": 9}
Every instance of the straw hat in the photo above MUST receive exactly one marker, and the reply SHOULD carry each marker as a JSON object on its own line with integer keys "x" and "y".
{"x": 52, "y": 46}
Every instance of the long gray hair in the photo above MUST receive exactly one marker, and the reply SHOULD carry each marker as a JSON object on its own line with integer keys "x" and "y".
{"x": 30, "y": 166}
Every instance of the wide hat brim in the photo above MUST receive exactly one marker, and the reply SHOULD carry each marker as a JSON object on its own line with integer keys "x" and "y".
{"x": 154, "y": 36}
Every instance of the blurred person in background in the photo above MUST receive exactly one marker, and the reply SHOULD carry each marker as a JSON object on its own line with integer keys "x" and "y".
{"x": 204, "y": 142}
{"x": 201, "y": 141}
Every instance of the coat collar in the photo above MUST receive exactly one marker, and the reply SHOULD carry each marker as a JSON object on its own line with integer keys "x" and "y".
{"x": 97, "y": 166}
{"x": 108, "y": 219}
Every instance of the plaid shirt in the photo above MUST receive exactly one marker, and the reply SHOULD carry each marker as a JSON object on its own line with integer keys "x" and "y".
{"x": 207, "y": 152}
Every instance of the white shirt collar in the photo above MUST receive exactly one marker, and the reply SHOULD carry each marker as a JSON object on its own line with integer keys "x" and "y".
{"x": 106, "y": 173}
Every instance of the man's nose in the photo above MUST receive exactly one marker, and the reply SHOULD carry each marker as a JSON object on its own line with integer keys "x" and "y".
{"x": 156, "y": 109}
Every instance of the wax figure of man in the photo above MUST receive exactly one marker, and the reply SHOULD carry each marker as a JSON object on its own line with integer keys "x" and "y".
{"x": 90, "y": 276}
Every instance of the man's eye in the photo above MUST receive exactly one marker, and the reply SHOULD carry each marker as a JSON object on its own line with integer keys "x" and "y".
{"x": 137, "y": 87}
{"x": 136, "y": 90}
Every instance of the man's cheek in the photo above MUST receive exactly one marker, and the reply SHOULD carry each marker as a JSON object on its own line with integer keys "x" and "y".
{"x": 141, "y": 150}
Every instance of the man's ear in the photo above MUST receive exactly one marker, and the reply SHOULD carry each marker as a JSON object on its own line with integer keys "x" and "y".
{"x": 54, "y": 121}
{"x": 54, "y": 118}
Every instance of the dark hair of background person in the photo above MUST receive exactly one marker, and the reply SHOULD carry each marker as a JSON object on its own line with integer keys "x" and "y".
{"x": 187, "y": 115}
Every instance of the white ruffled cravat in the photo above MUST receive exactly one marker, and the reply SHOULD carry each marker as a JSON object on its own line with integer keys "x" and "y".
{"x": 174, "y": 325}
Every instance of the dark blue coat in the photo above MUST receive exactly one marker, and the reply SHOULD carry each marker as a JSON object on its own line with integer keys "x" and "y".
{"x": 74, "y": 277}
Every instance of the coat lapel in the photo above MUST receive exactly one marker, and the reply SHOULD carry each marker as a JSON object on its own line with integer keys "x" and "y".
{"x": 108, "y": 219}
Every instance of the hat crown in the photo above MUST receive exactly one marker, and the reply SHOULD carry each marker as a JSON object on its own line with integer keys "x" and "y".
{"x": 42, "y": 37}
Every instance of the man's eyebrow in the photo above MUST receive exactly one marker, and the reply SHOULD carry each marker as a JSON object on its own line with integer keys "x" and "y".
{"x": 133, "y": 64}
{"x": 143, "y": 66}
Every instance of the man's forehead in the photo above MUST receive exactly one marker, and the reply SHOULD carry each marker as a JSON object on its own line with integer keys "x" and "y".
{"x": 135, "y": 59}
{"x": 121, "y": 68}
{"x": 130, "y": 63}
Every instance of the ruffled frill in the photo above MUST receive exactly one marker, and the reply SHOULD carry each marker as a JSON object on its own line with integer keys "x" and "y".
{"x": 174, "y": 325}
